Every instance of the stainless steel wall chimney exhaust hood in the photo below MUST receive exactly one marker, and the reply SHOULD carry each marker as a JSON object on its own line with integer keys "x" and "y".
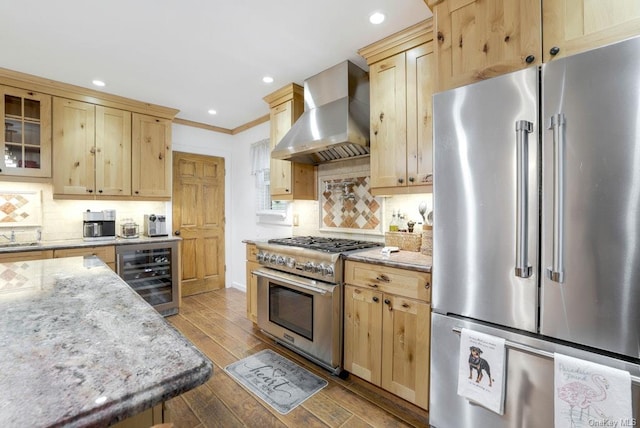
{"x": 335, "y": 122}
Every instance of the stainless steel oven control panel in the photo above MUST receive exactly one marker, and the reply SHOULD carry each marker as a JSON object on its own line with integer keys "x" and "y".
{"x": 307, "y": 263}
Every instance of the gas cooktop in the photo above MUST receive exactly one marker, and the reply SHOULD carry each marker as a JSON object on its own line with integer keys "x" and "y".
{"x": 327, "y": 245}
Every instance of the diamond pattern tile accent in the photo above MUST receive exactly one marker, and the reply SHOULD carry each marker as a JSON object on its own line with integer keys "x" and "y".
{"x": 355, "y": 209}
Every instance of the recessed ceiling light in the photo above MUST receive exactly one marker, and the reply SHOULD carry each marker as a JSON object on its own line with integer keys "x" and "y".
{"x": 98, "y": 83}
{"x": 376, "y": 18}
{"x": 212, "y": 111}
{"x": 267, "y": 79}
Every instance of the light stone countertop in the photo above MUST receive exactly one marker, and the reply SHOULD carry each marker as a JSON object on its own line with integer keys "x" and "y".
{"x": 80, "y": 243}
{"x": 411, "y": 260}
{"x": 79, "y": 347}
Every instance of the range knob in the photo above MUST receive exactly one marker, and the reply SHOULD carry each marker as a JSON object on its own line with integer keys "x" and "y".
{"x": 280, "y": 260}
{"x": 328, "y": 270}
{"x": 319, "y": 268}
{"x": 273, "y": 259}
{"x": 260, "y": 256}
{"x": 291, "y": 262}
{"x": 308, "y": 266}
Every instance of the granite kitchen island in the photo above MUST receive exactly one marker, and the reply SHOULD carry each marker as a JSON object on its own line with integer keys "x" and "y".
{"x": 79, "y": 347}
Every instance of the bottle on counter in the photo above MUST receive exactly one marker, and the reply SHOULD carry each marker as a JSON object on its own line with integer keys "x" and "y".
{"x": 393, "y": 226}
{"x": 402, "y": 222}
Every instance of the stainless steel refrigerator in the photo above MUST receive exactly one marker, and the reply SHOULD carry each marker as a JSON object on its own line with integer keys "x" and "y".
{"x": 537, "y": 228}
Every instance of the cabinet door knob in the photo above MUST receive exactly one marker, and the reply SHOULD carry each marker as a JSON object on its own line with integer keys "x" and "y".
{"x": 387, "y": 301}
{"x": 375, "y": 299}
{"x": 554, "y": 50}
{"x": 411, "y": 179}
{"x": 529, "y": 59}
{"x": 427, "y": 285}
{"x": 400, "y": 180}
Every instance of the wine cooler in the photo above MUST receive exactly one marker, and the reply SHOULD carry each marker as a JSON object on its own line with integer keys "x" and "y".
{"x": 152, "y": 271}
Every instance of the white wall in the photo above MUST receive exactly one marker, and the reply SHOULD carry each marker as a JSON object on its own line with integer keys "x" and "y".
{"x": 241, "y": 222}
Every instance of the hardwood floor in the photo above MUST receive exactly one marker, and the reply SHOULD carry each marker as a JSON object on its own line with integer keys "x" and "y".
{"x": 216, "y": 323}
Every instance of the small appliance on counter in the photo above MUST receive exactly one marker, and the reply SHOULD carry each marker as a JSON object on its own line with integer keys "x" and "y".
{"x": 99, "y": 225}
{"x": 155, "y": 225}
{"x": 129, "y": 229}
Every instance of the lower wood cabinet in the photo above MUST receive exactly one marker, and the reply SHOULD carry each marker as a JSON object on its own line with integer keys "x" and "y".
{"x": 105, "y": 253}
{"x": 387, "y": 325}
{"x": 22, "y": 256}
{"x": 252, "y": 283}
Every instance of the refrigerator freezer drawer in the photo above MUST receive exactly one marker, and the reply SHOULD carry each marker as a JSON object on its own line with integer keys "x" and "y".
{"x": 530, "y": 378}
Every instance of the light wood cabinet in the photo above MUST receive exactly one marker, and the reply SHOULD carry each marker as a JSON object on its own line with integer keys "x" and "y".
{"x": 478, "y": 39}
{"x": 151, "y": 156}
{"x": 252, "y": 283}
{"x": 573, "y": 26}
{"x": 92, "y": 153}
{"x": 22, "y": 256}
{"x": 26, "y": 133}
{"x": 387, "y": 328}
{"x": 106, "y": 253}
{"x": 402, "y": 76}
{"x": 288, "y": 180}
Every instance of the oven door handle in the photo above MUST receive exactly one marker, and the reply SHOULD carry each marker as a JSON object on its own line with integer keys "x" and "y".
{"x": 291, "y": 280}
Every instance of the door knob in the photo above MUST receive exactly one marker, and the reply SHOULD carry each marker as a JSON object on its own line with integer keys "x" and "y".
{"x": 177, "y": 233}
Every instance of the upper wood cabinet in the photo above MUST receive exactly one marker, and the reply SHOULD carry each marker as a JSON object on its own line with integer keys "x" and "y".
{"x": 478, "y": 39}
{"x": 401, "y": 73}
{"x": 572, "y": 26}
{"x": 288, "y": 180}
{"x": 151, "y": 156}
{"x": 26, "y": 133}
{"x": 92, "y": 153}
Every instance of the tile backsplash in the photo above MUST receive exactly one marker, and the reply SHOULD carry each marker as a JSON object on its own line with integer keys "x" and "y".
{"x": 61, "y": 219}
{"x": 337, "y": 212}
{"x": 347, "y": 203}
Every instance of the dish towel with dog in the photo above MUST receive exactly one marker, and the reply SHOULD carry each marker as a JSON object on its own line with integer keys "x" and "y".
{"x": 587, "y": 394}
{"x": 481, "y": 372}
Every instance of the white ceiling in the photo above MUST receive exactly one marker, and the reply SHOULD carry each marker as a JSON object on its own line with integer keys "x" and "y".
{"x": 193, "y": 55}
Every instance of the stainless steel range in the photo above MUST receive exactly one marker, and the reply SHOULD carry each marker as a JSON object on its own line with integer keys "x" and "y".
{"x": 300, "y": 294}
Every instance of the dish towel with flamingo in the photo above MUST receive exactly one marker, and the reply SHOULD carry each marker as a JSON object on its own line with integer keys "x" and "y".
{"x": 481, "y": 372}
{"x": 589, "y": 394}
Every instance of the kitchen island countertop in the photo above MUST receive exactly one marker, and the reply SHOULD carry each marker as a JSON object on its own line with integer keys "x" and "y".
{"x": 410, "y": 260}
{"x": 79, "y": 347}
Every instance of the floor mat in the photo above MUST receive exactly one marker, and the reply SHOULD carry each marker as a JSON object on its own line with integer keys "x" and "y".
{"x": 279, "y": 382}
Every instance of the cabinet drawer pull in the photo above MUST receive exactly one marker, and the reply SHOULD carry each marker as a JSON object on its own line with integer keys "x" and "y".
{"x": 373, "y": 285}
{"x": 427, "y": 285}
{"x": 382, "y": 277}
{"x": 405, "y": 305}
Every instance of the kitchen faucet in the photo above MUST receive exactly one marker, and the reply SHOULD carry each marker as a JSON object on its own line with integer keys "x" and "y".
{"x": 11, "y": 238}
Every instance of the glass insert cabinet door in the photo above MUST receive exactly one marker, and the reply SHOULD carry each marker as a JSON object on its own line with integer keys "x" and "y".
{"x": 150, "y": 270}
{"x": 26, "y": 131}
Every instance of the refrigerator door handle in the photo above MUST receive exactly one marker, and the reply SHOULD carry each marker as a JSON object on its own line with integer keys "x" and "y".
{"x": 556, "y": 271}
{"x": 523, "y": 129}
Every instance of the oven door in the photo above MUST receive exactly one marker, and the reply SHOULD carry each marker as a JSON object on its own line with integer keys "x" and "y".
{"x": 303, "y": 314}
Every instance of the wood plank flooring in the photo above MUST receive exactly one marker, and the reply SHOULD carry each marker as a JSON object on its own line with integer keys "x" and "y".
{"x": 216, "y": 323}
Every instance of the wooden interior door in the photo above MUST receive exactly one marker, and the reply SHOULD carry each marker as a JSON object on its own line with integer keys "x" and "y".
{"x": 198, "y": 218}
